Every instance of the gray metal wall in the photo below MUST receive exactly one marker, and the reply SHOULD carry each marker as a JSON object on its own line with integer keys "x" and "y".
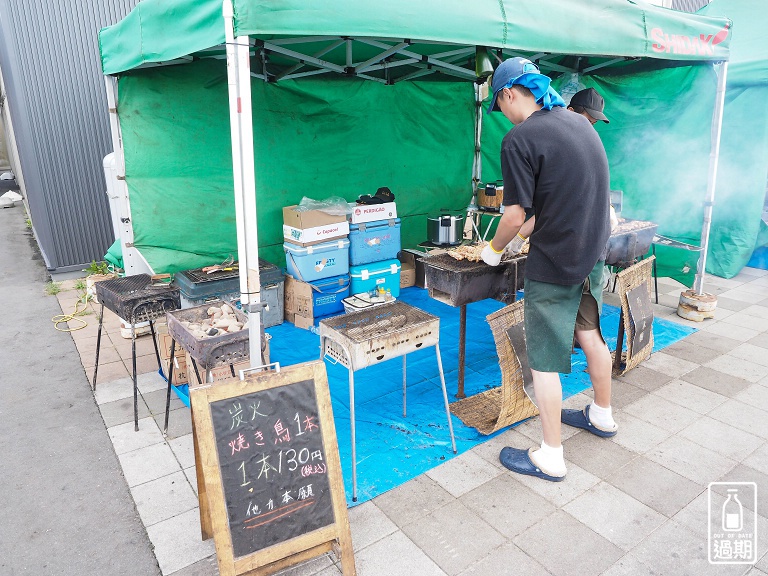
{"x": 49, "y": 55}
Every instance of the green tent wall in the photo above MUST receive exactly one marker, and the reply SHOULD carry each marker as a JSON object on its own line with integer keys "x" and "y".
{"x": 333, "y": 135}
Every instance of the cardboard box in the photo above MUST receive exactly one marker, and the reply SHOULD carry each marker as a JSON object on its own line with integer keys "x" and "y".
{"x": 219, "y": 373}
{"x": 413, "y": 258}
{"x": 298, "y": 303}
{"x": 407, "y": 275}
{"x": 370, "y": 212}
{"x": 179, "y": 368}
{"x": 309, "y": 227}
{"x": 165, "y": 347}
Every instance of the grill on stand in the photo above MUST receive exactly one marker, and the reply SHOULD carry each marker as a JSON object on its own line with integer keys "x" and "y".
{"x": 365, "y": 338}
{"x": 135, "y": 299}
{"x": 210, "y": 352}
{"x": 461, "y": 282}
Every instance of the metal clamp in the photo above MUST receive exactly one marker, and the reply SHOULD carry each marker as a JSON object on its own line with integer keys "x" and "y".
{"x": 245, "y": 371}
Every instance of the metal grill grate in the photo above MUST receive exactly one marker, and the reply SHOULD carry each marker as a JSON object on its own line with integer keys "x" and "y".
{"x": 450, "y": 264}
{"x": 137, "y": 299}
{"x": 199, "y": 277}
{"x": 368, "y": 337}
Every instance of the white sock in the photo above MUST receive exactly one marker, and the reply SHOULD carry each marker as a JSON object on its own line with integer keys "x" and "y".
{"x": 549, "y": 459}
{"x": 601, "y": 417}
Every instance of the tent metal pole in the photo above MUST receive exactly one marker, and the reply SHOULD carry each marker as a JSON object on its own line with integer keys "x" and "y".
{"x": 244, "y": 172}
{"x": 477, "y": 167}
{"x": 714, "y": 156}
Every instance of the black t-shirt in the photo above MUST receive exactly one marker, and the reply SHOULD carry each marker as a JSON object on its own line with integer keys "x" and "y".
{"x": 554, "y": 165}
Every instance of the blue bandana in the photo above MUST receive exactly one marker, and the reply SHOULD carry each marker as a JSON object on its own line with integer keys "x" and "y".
{"x": 539, "y": 85}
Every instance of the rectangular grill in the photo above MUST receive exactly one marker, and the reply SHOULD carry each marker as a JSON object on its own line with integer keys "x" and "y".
{"x": 136, "y": 299}
{"x": 197, "y": 276}
{"x": 459, "y": 282}
{"x": 214, "y": 350}
{"x": 629, "y": 241}
{"x": 373, "y": 336}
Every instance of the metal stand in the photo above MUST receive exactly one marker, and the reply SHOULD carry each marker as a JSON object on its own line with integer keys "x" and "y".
{"x": 462, "y": 350}
{"x": 133, "y": 362}
{"x": 351, "y": 371}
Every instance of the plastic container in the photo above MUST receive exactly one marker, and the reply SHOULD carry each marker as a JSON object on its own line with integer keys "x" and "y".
{"x": 369, "y": 277}
{"x": 374, "y": 241}
{"x": 328, "y": 295}
{"x": 358, "y": 302}
{"x": 308, "y": 263}
{"x": 199, "y": 288}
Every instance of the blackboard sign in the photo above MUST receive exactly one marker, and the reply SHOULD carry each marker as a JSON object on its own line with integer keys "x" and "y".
{"x": 273, "y": 465}
{"x": 641, "y": 316}
{"x": 271, "y": 493}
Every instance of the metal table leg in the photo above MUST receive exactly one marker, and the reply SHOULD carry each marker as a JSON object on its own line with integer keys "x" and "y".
{"x": 135, "y": 383}
{"x": 352, "y": 430}
{"x": 168, "y": 394}
{"x": 445, "y": 396}
{"x": 154, "y": 341}
{"x": 404, "y": 379}
{"x": 462, "y": 349}
{"x": 98, "y": 346}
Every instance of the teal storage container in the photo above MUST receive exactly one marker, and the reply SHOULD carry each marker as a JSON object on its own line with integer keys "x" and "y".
{"x": 374, "y": 241}
{"x": 308, "y": 263}
{"x": 369, "y": 277}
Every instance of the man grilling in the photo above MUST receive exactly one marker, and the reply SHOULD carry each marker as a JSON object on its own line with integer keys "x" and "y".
{"x": 554, "y": 165}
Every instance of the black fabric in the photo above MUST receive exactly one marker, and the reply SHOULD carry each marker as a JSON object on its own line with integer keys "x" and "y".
{"x": 555, "y": 166}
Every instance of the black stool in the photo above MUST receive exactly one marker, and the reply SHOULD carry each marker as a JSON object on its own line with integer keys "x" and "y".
{"x": 135, "y": 299}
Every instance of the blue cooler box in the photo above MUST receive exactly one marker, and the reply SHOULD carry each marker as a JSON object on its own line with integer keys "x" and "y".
{"x": 308, "y": 263}
{"x": 328, "y": 295}
{"x": 374, "y": 241}
{"x": 368, "y": 277}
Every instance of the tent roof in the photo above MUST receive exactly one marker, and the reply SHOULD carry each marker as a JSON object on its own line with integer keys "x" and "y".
{"x": 401, "y": 32}
{"x": 748, "y": 64}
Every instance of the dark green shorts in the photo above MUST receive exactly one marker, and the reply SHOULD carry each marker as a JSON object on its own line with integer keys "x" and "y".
{"x": 550, "y": 319}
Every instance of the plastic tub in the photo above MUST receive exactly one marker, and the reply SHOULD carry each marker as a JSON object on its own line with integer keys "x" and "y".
{"x": 374, "y": 241}
{"x": 369, "y": 277}
{"x": 308, "y": 263}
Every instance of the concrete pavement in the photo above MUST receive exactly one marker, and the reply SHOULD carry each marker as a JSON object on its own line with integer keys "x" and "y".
{"x": 65, "y": 506}
{"x": 636, "y": 504}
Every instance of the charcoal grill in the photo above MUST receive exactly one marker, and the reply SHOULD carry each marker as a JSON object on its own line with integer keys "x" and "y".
{"x": 629, "y": 241}
{"x": 461, "y": 282}
{"x": 208, "y": 352}
{"x": 360, "y": 339}
{"x": 134, "y": 299}
{"x": 137, "y": 299}
{"x": 458, "y": 282}
{"x": 213, "y": 351}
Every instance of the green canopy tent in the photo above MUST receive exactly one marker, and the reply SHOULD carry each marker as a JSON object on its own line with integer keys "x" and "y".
{"x": 342, "y": 97}
{"x": 741, "y": 182}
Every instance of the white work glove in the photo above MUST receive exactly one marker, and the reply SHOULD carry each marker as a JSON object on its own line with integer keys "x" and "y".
{"x": 490, "y": 256}
{"x": 514, "y": 247}
{"x": 614, "y": 219}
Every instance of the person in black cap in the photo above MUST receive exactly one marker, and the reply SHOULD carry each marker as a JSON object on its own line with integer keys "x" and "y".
{"x": 554, "y": 165}
{"x": 589, "y": 104}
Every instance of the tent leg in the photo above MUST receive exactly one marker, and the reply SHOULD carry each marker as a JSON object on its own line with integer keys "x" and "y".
{"x": 714, "y": 155}
{"x": 244, "y": 171}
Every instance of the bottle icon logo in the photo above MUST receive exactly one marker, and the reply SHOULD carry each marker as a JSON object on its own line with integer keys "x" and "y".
{"x": 733, "y": 512}
{"x": 732, "y": 518}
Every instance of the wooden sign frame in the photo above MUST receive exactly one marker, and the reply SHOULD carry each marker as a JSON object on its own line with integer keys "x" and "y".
{"x": 214, "y": 520}
{"x": 636, "y": 276}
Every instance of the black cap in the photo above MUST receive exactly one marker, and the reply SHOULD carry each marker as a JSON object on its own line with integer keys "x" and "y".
{"x": 592, "y": 103}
